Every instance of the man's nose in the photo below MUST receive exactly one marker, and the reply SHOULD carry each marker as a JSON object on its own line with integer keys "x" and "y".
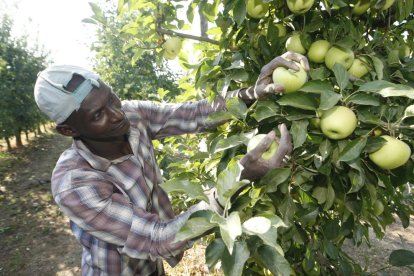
{"x": 116, "y": 113}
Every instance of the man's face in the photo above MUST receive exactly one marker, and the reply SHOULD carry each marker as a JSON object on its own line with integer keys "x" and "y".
{"x": 100, "y": 116}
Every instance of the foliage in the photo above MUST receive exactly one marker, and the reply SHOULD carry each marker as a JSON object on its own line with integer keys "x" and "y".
{"x": 132, "y": 76}
{"x": 19, "y": 66}
{"x": 296, "y": 218}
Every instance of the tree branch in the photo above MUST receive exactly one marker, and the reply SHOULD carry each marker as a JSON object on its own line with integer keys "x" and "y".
{"x": 199, "y": 38}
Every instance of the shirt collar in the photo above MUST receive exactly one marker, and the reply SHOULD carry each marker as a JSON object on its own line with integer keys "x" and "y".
{"x": 95, "y": 161}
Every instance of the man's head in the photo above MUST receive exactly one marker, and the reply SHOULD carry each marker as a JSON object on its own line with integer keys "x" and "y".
{"x": 52, "y": 94}
{"x": 80, "y": 103}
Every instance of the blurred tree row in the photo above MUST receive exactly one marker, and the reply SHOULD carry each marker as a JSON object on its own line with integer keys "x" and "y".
{"x": 19, "y": 65}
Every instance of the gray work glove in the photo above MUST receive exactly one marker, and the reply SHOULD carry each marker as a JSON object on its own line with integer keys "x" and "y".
{"x": 255, "y": 167}
{"x": 264, "y": 85}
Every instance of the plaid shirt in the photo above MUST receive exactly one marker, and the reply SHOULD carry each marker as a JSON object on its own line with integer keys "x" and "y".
{"x": 118, "y": 211}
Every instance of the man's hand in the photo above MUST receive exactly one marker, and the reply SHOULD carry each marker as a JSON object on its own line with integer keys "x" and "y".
{"x": 264, "y": 85}
{"x": 255, "y": 166}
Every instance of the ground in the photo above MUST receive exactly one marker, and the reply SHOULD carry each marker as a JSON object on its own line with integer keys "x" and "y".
{"x": 35, "y": 238}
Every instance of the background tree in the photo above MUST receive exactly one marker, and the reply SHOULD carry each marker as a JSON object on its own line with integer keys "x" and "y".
{"x": 295, "y": 219}
{"x": 133, "y": 75}
{"x": 19, "y": 65}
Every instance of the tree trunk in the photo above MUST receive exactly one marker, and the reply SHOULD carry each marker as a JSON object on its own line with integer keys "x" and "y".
{"x": 9, "y": 147}
{"x": 44, "y": 127}
{"x": 39, "y": 130}
{"x": 27, "y": 135}
{"x": 19, "y": 143}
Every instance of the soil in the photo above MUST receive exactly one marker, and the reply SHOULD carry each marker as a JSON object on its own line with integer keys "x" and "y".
{"x": 35, "y": 238}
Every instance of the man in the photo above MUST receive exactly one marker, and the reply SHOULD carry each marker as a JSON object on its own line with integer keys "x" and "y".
{"x": 107, "y": 183}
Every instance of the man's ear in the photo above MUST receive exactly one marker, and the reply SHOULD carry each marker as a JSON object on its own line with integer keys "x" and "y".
{"x": 67, "y": 130}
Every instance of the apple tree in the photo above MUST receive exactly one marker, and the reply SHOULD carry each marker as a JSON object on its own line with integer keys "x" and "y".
{"x": 352, "y": 125}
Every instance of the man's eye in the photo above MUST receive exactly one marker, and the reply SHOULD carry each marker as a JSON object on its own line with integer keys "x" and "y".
{"x": 97, "y": 115}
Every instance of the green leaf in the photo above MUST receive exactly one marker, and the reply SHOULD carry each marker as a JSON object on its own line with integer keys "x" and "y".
{"x": 341, "y": 75}
{"x": 228, "y": 181}
{"x": 364, "y": 99}
{"x": 330, "y": 198}
{"x": 330, "y": 249}
{"x": 219, "y": 116}
{"x": 239, "y": 11}
{"x": 379, "y": 66}
{"x": 257, "y": 225}
{"x": 329, "y": 99}
{"x": 265, "y": 227}
{"x": 265, "y": 109}
{"x": 230, "y": 229}
{"x": 401, "y": 257}
{"x": 192, "y": 189}
{"x": 299, "y": 132}
{"x": 236, "y": 107}
{"x": 320, "y": 194}
{"x": 409, "y": 111}
{"x": 317, "y": 86}
{"x": 299, "y": 100}
{"x": 239, "y": 76}
{"x": 274, "y": 261}
{"x": 214, "y": 252}
{"x": 195, "y": 226}
{"x": 274, "y": 178}
{"x": 230, "y": 142}
{"x": 388, "y": 89}
{"x": 233, "y": 263}
{"x": 353, "y": 149}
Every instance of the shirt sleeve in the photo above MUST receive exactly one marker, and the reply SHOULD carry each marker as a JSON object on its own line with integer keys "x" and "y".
{"x": 165, "y": 119}
{"x": 109, "y": 216}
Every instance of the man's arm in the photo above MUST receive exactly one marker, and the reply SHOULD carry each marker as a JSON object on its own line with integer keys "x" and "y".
{"x": 109, "y": 216}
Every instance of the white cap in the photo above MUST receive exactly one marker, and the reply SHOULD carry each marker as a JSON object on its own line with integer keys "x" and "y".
{"x": 50, "y": 90}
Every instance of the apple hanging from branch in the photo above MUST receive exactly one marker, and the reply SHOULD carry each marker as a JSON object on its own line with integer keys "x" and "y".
{"x": 294, "y": 44}
{"x": 299, "y": 6}
{"x": 290, "y": 79}
{"x": 338, "y": 122}
{"x": 172, "y": 47}
{"x": 257, "y": 8}
{"x": 318, "y": 50}
{"x": 393, "y": 154}
{"x": 359, "y": 68}
{"x": 341, "y": 55}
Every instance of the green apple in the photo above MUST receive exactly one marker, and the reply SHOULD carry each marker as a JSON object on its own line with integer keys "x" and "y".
{"x": 378, "y": 207}
{"x": 290, "y": 79}
{"x": 361, "y": 6}
{"x": 393, "y": 154}
{"x": 257, "y": 8}
{"x": 294, "y": 44}
{"x": 388, "y": 3}
{"x": 172, "y": 47}
{"x": 168, "y": 55}
{"x": 404, "y": 51}
{"x": 318, "y": 50}
{"x": 359, "y": 67}
{"x": 338, "y": 122}
{"x": 281, "y": 28}
{"x": 269, "y": 152}
{"x": 299, "y": 6}
{"x": 341, "y": 55}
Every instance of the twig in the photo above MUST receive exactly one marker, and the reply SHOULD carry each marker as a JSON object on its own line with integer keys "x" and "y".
{"x": 193, "y": 37}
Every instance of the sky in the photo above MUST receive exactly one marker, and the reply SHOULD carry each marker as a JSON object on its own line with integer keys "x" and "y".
{"x": 55, "y": 24}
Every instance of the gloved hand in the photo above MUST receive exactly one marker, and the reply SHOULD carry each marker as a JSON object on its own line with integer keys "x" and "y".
{"x": 255, "y": 166}
{"x": 264, "y": 85}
